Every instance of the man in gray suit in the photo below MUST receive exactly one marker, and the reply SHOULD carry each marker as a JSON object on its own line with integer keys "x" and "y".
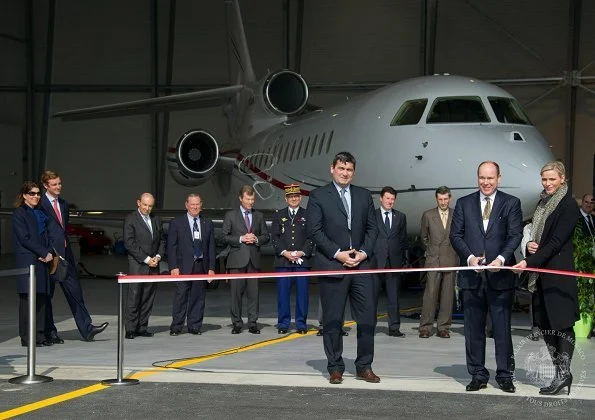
{"x": 244, "y": 232}
{"x": 440, "y": 286}
{"x": 143, "y": 241}
{"x": 389, "y": 252}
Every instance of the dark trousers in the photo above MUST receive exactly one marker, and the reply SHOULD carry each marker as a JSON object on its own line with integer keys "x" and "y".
{"x": 477, "y": 303}
{"x": 334, "y": 292}
{"x": 390, "y": 282}
{"x": 440, "y": 289}
{"x": 189, "y": 301}
{"x": 139, "y": 303}
{"x": 41, "y": 325}
{"x": 284, "y": 285}
{"x": 560, "y": 342}
{"x": 238, "y": 288}
{"x": 74, "y": 296}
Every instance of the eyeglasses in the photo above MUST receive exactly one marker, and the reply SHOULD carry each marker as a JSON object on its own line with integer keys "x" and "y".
{"x": 34, "y": 193}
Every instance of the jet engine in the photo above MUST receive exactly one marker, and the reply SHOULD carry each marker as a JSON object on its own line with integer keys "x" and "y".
{"x": 194, "y": 159}
{"x": 285, "y": 92}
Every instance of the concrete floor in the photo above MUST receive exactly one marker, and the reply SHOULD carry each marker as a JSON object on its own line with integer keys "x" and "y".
{"x": 270, "y": 376}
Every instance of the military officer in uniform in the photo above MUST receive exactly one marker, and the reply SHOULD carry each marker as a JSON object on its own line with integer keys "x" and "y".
{"x": 292, "y": 254}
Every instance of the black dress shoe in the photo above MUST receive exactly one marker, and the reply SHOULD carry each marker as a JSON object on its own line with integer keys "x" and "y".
{"x": 194, "y": 331}
{"x": 144, "y": 334}
{"x": 236, "y": 330}
{"x": 129, "y": 335}
{"x": 43, "y": 343}
{"x": 475, "y": 385}
{"x": 320, "y": 332}
{"x": 55, "y": 339}
{"x": 344, "y": 333}
{"x": 253, "y": 330}
{"x": 175, "y": 332}
{"x": 302, "y": 331}
{"x": 282, "y": 330}
{"x": 506, "y": 385}
{"x": 396, "y": 333}
{"x": 96, "y": 329}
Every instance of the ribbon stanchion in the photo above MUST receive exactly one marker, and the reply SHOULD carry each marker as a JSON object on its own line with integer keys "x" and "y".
{"x": 119, "y": 380}
{"x": 31, "y": 377}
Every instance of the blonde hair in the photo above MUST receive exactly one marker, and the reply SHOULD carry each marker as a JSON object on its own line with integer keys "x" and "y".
{"x": 555, "y": 165}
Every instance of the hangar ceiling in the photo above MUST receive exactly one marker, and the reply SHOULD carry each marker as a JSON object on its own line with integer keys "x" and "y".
{"x": 61, "y": 54}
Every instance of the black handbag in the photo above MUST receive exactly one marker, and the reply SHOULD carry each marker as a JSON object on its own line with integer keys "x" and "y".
{"x": 59, "y": 268}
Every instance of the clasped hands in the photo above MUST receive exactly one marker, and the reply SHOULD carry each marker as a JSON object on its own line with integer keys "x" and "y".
{"x": 351, "y": 258}
{"x": 249, "y": 238}
{"x": 293, "y": 256}
{"x": 154, "y": 262}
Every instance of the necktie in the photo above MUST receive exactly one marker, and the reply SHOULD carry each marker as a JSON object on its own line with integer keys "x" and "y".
{"x": 196, "y": 242}
{"x": 386, "y": 220}
{"x": 292, "y": 213}
{"x": 247, "y": 220}
{"x": 444, "y": 217}
{"x": 148, "y": 222}
{"x": 57, "y": 211}
{"x": 344, "y": 200}
{"x": 487, "y": 210}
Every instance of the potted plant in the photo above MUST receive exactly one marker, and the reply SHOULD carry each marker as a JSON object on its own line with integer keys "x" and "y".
{"x": 584, "y": 262}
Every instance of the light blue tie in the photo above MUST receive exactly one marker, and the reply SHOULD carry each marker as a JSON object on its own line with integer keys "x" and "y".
{"x": 346, "y": 205}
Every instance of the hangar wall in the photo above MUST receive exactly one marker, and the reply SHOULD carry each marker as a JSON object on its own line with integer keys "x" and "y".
{"x": 101, "y": 52}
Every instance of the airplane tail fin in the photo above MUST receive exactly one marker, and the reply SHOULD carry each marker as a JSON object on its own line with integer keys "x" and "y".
{"x": 239, "y": 55}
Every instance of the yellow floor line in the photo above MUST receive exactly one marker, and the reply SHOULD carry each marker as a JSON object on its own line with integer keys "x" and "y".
{"x": 143, "y": 374}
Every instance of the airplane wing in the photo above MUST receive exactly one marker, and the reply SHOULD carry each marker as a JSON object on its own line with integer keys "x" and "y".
{"x": 201, "y": 99}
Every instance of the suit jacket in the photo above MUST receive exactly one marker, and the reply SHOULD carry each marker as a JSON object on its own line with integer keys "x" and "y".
{"x": 57, "y": 232}
{"x": 234, "y": 226}
{"x": 288, "y": 235}
{"x": 180, "y": 244}
{"x": 140, "y": 243}
{"x": 328, "y": 228}
{"x": 502, "y": 236}
{"x": 31, "y": 241}
{"x": 439, "y": 251}
{"x": 391, "y": 244}
{"x": 555, "y": 252}
{"x": 583, "y": 224}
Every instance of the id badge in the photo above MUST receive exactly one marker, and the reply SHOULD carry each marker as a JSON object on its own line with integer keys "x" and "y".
{"x": 196, "y": 235}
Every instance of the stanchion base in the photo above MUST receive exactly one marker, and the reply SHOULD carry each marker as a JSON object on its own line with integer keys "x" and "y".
{"x": 126, "y": 381}
{"x": 30, "y": 379}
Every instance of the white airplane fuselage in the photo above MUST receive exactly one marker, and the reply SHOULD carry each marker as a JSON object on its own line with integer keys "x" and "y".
{"x": 414, "y": 159}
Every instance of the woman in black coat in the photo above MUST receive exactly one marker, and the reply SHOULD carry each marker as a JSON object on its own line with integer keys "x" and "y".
{"x": 31, "y": 247}
{"x": 555, "y": 297}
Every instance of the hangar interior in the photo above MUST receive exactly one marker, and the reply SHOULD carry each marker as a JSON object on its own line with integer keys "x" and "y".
{"x": 64, "y": 54}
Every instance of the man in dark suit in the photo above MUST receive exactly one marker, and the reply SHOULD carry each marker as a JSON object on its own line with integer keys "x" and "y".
{"x": 143, "y": 241}
{"x": 57, "y": 208}
{"x": 244, "y": 232}
{"x": 389, "y": 252}
{"x": 293, "y": 250}
{"x": 440, "y": 285}
{"x": 487, "y": 227}
{"x": 190, "y": 250}
{"x": 587, "y": 221}
{"x": 342, "y": 224}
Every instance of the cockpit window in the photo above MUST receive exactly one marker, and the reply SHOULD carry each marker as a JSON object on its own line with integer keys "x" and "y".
{"x": 508, "y": 111}
{"x": 458, "y": 109}
{"x": 410, "y": 112}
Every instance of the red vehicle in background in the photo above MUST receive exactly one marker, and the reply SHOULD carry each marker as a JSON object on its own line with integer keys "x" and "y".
{"x": 91, "y": 240}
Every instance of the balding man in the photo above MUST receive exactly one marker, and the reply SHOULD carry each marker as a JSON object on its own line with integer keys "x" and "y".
{"x": 587, "y": 222}
{"x": 143, "y": 241}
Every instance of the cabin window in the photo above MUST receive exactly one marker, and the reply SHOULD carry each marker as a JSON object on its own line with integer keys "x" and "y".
{"x": 328, "y": 143}
{"x": 410, "y": 112}
{"x": 459, "y": 109}
{"x": 508, "y": 111}
{"x": 314, "y": 145}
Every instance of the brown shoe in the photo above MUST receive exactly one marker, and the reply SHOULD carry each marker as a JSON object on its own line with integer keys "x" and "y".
{"x": 368, "y": 376}
{"x": 336, "y": 378}
{"x": 424, "y": 334}
{"x": 443, "y": 334}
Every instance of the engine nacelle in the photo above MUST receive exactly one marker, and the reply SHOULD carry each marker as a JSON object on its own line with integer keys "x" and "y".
{"x": 194, "y": 159}
{"x": 285, "y": 92}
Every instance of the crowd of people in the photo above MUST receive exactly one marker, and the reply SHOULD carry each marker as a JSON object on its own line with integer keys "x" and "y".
{"x": 340, "y": 231}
